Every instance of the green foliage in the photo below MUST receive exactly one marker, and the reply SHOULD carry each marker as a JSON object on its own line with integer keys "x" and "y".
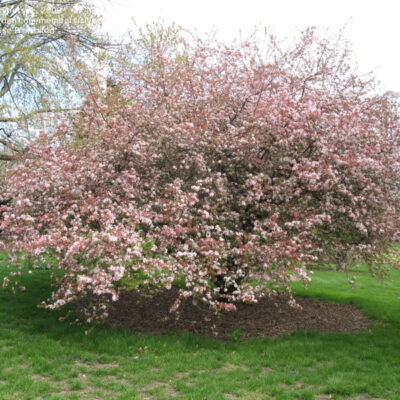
{"x": 35, "y": 58}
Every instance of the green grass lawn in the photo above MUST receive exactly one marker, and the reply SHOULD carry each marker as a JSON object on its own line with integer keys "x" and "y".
{"x": 43, "y": 358}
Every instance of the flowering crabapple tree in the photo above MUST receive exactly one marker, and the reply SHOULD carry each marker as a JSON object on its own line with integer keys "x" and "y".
{"x": 231, "y": 169}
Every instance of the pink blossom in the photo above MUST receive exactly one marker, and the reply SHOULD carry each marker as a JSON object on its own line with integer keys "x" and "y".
{"x": 215, "y": 165}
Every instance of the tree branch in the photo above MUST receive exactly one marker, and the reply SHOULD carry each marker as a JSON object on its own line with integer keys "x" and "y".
{"x": 9, "y": 81}
{"x": 8, "y": 157}
{"x": 33, "y": 113}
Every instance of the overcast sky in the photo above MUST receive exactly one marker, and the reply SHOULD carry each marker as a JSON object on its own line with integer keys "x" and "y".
{"x": 373, "y": 27}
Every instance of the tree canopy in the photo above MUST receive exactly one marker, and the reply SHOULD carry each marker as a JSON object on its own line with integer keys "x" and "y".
{"x": 35, "y": 61}
{"x": 228, "y": 170}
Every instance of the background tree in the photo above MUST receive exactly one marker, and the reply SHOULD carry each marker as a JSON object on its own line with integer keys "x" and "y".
{"x": 35, "y": 61}
{"x": 233, "y": 170}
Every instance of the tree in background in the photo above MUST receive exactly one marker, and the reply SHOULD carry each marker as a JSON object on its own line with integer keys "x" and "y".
{"x": 233, "y": 170}
{"x": 35, "y": 62}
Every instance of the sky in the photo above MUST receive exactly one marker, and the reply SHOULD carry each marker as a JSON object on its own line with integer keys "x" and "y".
{"x": 372, "y": 26}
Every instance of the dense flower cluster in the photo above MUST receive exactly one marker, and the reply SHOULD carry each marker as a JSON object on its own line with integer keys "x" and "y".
{"x": 218, "y": 167}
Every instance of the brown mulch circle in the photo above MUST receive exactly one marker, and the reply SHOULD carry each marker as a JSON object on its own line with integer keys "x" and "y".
{"x": 269, "y": 317}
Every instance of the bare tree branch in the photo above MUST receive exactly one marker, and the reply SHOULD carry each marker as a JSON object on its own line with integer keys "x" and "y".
{"x": 8, "y": 157}
{"x": 8, "y": 81}
{"x": 36, "y": 112}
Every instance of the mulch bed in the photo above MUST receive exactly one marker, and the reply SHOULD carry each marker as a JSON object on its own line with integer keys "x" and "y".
{"x": 270, "y": 317}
